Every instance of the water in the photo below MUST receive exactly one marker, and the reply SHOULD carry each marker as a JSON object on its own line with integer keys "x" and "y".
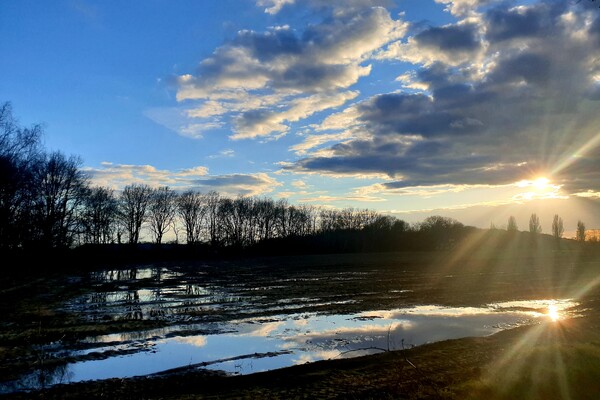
{"x": 249, "y": 345}
{"x": 243, "y": 319}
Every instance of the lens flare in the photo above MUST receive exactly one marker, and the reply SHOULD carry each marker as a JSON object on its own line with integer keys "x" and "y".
{"x": 553, "y": 313}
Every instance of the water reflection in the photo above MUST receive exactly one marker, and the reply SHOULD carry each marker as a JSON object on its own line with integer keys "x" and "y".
{"x": 250, "y": 345}
{"x": 258, "y": 322}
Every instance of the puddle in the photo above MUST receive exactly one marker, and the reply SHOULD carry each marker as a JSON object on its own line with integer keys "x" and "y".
{"x": 253, "y": 344}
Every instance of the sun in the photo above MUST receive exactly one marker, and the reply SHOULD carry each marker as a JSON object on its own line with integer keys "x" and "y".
{"x": 541, "y": 183}
{"x": 553, "y": 313}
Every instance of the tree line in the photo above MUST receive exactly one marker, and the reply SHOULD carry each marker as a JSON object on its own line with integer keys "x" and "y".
{"x": 557, "y": 228}
{"x": 47, "y": 201}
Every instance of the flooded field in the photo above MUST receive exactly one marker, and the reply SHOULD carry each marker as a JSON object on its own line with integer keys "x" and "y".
{"x": 241, "y": 319}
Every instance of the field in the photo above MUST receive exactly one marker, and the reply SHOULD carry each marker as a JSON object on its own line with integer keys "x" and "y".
{"x": 47, "y": 319}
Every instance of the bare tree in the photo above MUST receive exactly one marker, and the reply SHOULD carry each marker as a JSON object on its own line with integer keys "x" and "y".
{"x": 19, "y": 152}
{"x": 161, "y": 211}
{"x": 557, "y": 227}
{"x": 213, "y": 201}
{"x": 265, "y": 210}
{"x": 534, "y": 224}
{"x": 133, "y": 207}
{"x": 512, "y": 224}
{"x": 192, "y": 209}
{"x": 60, "y": 186}
{"x": 580, "y": 231}
{"x": 99, "y": 215}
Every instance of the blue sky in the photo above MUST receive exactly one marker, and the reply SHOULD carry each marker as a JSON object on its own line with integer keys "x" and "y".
{"x": 475, "y": 109}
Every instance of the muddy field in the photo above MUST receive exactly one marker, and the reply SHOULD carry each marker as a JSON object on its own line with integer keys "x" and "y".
{"x": 59, "y": 328}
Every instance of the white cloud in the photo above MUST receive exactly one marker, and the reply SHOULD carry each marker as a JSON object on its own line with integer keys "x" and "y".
{"x": 312, "y": 141}
{"x": 299, "y": 184}
{"x": 177, "y": 120}
{"x": 262, "y": 122}
{"x": 117, "y": 176}
{"x": 273, "y": 6}
{"x": 263, "y": 82}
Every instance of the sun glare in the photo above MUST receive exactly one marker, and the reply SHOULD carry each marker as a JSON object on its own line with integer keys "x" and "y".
{"x": 541, "y": 183}
{"x": 553, "y": 313}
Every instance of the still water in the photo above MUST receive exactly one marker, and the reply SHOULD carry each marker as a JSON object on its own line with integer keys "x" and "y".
{"x": 247, "y": 346}
{"x": 248, "y": 326}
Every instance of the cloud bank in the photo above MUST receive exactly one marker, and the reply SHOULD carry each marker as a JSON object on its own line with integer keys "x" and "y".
{"x": 507, "y": 92}
{"x": 261, "y": 82}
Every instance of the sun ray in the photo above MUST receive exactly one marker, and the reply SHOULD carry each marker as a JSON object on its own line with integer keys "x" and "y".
{"x": 577, "y": 154}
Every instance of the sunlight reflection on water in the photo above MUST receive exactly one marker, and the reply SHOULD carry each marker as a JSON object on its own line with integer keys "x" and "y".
{"x": 249, "y": 345}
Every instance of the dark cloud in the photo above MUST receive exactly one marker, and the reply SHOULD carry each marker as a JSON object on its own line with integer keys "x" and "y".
{"x": 450, "y": 38}
{"x": 325, "y": 56}
{"x": 270, "y": 45}
{"x": 523, "y": 108}
{"x": 529, "y": 67}
{"x": 503, "y": 24}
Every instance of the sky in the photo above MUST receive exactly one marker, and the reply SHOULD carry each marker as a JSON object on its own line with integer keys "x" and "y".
{"x": 473, "y": 109}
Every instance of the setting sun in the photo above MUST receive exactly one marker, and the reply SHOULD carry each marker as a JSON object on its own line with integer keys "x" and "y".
{"x": 553, "y": 313}
{"x": 541, "y": 183}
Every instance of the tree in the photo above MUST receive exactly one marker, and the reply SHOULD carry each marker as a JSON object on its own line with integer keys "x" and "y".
{"x": 60, "y": 188}
{"x": 557, "y": 227}
{"x": 213, "y": 202}
{"x": 133, "y": 207}
{"x": 441, "y": 232}
{"x": 534, "y": 224}
{"x": 19, "y": 152}
{"x": 580, "y": 231}
{"x": 161, "y": 211}
{"x": 191, "y": 209}
{"x": 512, "y": 224}
{"x": 99, "y": 215}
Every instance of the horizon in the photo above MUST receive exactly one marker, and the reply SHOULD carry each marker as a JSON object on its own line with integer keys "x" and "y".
{"x": 475, "y": 110}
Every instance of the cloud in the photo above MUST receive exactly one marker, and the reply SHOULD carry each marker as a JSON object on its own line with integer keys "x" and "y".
{"x": 312, "y": 141}
{"x": 498, "y": 102}
{"x": 117, "y": 176}
{"x": 262, "y": 122}
{"x": 299, "y": 184}
{"x": 463, "y": 8}
{"x": 334, "y": 6}
{"x": 238, "y": 184}
{"x": 273, "y": 6}
{"x": 223, "y": 154}
{"x": 177, "y": 120}
{"x": 263, "y": 81}
{"x": 453, "y": 44}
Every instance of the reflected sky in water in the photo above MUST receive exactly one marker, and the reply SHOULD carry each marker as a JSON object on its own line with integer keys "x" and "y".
{"x": 256, "y": 322}
{"x": 249, "y": 345}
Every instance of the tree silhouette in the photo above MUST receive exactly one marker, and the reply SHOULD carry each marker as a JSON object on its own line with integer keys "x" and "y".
{"x": 161, "y": 211}
{"x": 512, "y": 224}
{"x": 557, "y": 227}
{"x": 60, "y": 187}
{"x": 534, "y": 224}
{"x": 191, "y": 209}
{"x": 580, "y": 231}
{"x": 20, "y": 150}
{"x": 133, "y": 206}
{"x": 99, "y": 216}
